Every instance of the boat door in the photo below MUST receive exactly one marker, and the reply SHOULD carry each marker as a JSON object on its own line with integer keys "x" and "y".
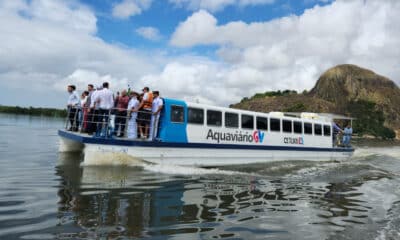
{"x": 173, "y": 121}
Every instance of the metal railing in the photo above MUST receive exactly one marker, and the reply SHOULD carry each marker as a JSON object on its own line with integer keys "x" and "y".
{"x": 112, "y": 123}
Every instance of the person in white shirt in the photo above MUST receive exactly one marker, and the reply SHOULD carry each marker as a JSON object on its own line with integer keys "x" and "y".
{"x": 73, "y": 104}
{"x": 93, "y": 110}
{"x": 105, "y": 100}
{"x": 157, "y": 106}
{"x": 133, "y": 108}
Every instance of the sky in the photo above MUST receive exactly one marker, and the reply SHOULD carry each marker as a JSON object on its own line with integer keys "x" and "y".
{"x": 208, "y": 51}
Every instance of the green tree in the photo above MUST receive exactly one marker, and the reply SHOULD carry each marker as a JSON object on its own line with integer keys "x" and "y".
{"x": 369, "y": 120}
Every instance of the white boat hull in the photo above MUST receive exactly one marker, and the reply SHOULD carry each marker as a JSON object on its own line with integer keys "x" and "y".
{"x": 99, "y": 154}
{"x": 111, "y": 152}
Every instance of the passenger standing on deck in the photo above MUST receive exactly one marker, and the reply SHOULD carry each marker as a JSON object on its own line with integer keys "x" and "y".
{"x": 336, "y": 131}
{"x": 157, "y": 106}
{"x": 121, "y": 113}
{"x": 133, "y": 108}
{"x": 347, "y": 132}
{"x": 72, "y": 104}
{"x": 94, "y": 110}
{"x": 82, "y": 110}
{"x": 87, "y": 117}
{"x": 144, "y": 115}
{"x": 105, "y": 99}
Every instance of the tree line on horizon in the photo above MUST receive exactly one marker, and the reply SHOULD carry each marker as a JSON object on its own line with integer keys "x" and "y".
{"x": 32, "y": 111}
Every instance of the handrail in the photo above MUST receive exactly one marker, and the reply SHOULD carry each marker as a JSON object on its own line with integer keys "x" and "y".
{"x": 102, "y": 122}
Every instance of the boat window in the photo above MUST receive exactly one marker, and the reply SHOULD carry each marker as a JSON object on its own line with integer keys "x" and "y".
{"x": 195, "y": 115}
{"x": 177, "y": 114}
{"x": 275, "y": 124}
{"x": 231, "y": 120}
{"x": 307, "y": 128}
{"x": 327, "y": 130}
{"x": 317, "y": 129}
{"x": 297, "y": 127}
{"x": 287, "y": 126}
{"x": 262, "y": 123}
{"x": 214, "y": 118}
{"x": 247, "y": 121}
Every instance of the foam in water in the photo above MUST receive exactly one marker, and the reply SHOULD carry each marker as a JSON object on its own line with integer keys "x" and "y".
{"x": 110, "y": 159}
{"x": 370, "y": 151}
{"x": 122, "y": 159}
{"x": 186, "y": 170}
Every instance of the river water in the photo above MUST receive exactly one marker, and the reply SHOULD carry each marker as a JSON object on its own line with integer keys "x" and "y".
{"x": 48, "y": 195}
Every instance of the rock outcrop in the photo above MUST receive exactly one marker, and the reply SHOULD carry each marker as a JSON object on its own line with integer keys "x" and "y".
{"x": 344, "y": 89}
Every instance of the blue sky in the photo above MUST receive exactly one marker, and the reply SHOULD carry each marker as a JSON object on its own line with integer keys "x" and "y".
{"x": 211, "y": 51}
{"x": 165, "y": 17}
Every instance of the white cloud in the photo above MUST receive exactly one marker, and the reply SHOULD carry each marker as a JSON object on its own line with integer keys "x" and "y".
{"x": 149, "y": 33}
{"x": 216, "y": 5}
{"x": 39, "y": 55}
{"x": 68, "y": 14}
{"x": 80, "y": 78}
{"x": 201, "y": 26}
{"x": 291, "y": 52}
{"x": 129, "y": 8}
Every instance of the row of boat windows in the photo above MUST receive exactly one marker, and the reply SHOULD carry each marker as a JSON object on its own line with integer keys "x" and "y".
{"x": 214, "y": 119}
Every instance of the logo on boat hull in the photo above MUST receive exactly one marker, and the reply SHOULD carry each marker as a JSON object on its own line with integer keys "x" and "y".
{"x": 258, "y": 136}
{"x": 289, "y": 140}
{"x": 238, "y": 136}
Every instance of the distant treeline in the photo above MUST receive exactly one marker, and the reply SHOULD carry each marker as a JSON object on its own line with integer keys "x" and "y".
{"x": 49, "y": 112}
{"x": 271, "y": 94}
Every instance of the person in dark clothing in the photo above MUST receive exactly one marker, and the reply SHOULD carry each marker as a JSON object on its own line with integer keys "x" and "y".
{"x": 121, "y": 113}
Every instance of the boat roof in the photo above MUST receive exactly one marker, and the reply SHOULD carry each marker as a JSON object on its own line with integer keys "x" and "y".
{"x": 301, "y": 115}
{"x": 327, "y": 115}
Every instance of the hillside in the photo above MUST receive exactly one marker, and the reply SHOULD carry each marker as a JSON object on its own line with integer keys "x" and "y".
{"x": 345, "y": 89}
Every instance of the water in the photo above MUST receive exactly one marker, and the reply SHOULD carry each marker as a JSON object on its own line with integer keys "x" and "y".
{"x": 47, "y": 195}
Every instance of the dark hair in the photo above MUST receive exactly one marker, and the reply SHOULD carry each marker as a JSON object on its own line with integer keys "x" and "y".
{"x": 72, "y": 86}
{"x": 86, "y": 93}
{"x": 146, "y": 88}
{"x": 105, "y": 84}
{"x": 156, "y": 92}
{"x": 90, "y": 85}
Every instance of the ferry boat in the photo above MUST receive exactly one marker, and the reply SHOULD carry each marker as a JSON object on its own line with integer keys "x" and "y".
{"x": 204, "y": 135}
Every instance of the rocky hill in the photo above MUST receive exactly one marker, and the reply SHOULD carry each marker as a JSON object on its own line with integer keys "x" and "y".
{"x": 345, "y": 89}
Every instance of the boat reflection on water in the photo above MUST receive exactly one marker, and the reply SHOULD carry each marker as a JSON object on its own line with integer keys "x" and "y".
{"x": 115, "y": 201}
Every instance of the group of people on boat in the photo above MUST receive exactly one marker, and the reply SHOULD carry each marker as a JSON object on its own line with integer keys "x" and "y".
{"x": 347, "y": 132}
{"x": 97, "y": 107}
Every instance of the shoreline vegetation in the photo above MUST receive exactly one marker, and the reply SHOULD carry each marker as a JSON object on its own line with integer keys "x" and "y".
{"x": 369, "y": 122}
{"x": 372, "y": 100}
{"x": 32, "y": 111}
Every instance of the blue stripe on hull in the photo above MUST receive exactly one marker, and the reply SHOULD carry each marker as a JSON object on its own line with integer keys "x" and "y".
{"x": 120, "y": 142}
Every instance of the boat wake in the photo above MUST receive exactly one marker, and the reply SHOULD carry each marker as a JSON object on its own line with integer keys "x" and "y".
{"x": 111, "y": 159}
{"x": 368, "y": 152}
{"x": 362, "y": 156}
{"x": 122, "y": 159}
{"x": 188, "y": 170}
